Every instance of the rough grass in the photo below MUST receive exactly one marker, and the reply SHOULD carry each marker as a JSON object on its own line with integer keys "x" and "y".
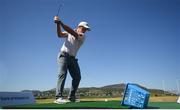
{"x": 164, "y": 99}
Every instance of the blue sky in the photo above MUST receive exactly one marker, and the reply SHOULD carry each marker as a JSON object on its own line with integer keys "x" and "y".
{"x": 133, "y": 41}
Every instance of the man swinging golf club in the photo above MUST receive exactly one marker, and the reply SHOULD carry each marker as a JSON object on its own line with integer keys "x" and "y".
{"x": 67, "y": 58}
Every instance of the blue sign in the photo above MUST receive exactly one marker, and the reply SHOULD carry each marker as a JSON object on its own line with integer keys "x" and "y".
{"x": 16, "y": 98}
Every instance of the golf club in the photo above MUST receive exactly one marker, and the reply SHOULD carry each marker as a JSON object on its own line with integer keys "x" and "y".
{"x": 59, "y": 7}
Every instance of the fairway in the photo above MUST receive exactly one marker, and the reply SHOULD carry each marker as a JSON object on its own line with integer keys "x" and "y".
{"x": 96, "y": 105}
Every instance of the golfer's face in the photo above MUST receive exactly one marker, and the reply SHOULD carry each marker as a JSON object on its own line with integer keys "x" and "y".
{"x": 81, "y": 29}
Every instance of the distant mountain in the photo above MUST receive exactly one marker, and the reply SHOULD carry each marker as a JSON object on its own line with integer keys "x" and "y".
{"x": 121, "y": 86}
{"x": 34, "y": 91}
{"x": 115, "y": 90}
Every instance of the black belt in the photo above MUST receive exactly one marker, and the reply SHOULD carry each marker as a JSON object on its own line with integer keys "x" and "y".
{"x": 65, "y": 54}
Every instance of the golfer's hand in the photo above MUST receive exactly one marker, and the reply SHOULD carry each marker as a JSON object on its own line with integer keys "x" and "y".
{"x": 56, "y": 19}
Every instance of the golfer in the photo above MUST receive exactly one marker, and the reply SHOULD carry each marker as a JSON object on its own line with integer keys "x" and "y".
{"x": 67, "y": 58}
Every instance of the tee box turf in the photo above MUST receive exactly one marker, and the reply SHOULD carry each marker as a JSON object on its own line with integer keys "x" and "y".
{"x": 135, "y": 96}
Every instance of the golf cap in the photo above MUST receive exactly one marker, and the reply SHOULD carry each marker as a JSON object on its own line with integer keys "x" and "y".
{"x": 84, "y": 24}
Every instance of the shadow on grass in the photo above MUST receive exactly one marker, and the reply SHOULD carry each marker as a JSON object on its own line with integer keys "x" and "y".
{"x": 81, "y": 105}
{"x": 11, "y": 107}
{"x": 72, "y": 108}
{"x": 150, "y": 107}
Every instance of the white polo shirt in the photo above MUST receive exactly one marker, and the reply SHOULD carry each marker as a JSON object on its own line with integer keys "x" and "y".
{"x": 72, "y": 45}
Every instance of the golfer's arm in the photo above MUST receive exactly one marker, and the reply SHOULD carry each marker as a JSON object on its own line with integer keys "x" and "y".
{"x": 59, "y": 31}
{"x": 69, "y": 30}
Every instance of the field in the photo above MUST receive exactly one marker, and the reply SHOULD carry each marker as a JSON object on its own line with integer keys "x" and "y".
{"x": 112, "y": 103}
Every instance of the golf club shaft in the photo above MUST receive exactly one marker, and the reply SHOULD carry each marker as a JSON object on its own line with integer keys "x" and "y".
{"x": 59, "y": 8}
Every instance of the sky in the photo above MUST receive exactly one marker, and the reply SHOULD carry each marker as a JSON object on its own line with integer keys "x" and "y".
{"x": 131, "y": 41}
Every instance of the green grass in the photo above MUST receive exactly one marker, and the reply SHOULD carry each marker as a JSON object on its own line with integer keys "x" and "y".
{"x": 165, "y": 105}
{"x": 96, "y": 105}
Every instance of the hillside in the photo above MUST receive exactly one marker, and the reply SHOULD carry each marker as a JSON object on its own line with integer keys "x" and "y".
{"x": 115, "y": 90}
